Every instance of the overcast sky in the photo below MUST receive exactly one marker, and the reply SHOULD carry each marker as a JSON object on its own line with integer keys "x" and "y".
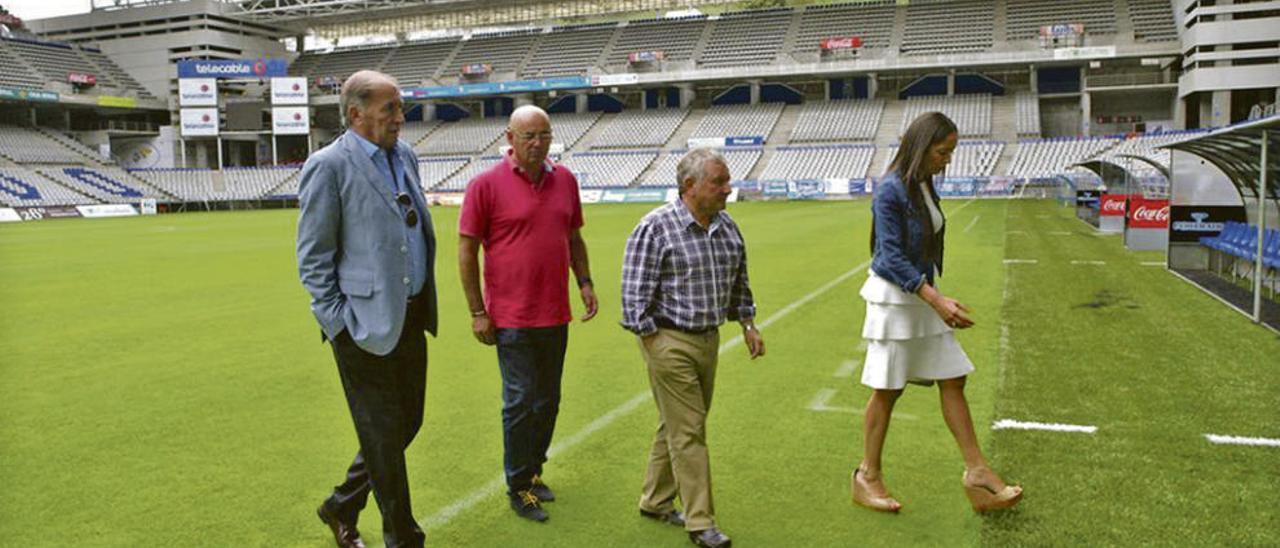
{"x": 40, "y": 9}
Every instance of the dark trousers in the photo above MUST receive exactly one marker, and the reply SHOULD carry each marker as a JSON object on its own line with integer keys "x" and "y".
{"x": 531, "y": 360}
{"x": 385, "y": 395}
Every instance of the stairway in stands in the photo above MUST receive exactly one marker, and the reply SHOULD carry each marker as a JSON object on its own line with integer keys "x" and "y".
{"x": 886, "y": 134}
{"x": 1004, "y": 116}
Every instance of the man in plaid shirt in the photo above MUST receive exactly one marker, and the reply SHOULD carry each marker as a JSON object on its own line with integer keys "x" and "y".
{"x": 684, "y": 273}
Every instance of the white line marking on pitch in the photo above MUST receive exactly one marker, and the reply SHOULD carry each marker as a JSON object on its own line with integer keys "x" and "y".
{"x": 1152, "y": 263}
{"x": 446, "y": 514}
{"x": 1016, "y": 233}
{"x": 1093, "y": 263}
{"x": 1053, "y": 427}
{"x": 1021, "y": 261}
{"x": 1060, "y": 233}
{"x": 972, "y": 223}
{"x": 819, "y": 404}
{"x": 847, "y": 367}
{"x": 1240, "y": 440}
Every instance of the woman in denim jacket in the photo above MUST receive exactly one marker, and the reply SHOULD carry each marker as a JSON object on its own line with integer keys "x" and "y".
{"x": 909, "y": 322}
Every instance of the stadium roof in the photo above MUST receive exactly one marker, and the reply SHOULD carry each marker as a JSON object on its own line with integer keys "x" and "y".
{"x": 1237, "y": 151}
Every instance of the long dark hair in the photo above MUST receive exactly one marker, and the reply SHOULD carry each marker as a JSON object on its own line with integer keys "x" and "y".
{"x": 925, "y": 131}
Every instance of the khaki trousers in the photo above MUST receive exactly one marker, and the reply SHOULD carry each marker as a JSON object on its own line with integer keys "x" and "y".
{"x": 682, "y": 372}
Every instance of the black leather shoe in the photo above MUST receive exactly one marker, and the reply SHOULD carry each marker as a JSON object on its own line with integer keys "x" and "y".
{"x": 541, "y": 490}
{"x": 710, "y": 538}
{"x": 674, "y": 517}
{"x": 346, "y": 535}
{"x": 526, "y": 505}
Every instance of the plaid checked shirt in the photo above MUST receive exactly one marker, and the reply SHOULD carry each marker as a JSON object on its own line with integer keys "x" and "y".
{"x": 675, "y": 270}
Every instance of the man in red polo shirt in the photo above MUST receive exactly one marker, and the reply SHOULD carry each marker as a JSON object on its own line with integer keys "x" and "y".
{"x": 526, "y": 213}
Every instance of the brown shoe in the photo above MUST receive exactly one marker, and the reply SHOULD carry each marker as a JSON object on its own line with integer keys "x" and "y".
{"x": 347, "y": 536}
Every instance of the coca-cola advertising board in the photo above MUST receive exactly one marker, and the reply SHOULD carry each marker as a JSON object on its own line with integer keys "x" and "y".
{"x": 1144, "y": 213}
{"x": 840, "y": 42}
{"x": 1111, "y": 205}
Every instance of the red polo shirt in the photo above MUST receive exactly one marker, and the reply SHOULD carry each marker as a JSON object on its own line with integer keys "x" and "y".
{"x": 524, "y": 229}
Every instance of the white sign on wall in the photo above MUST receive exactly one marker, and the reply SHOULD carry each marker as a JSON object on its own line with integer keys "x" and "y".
{"x": 290, "y": 120}
{"x": 289, "y": 91}
{"x": 199, "y": 122}
{"x": 197, "y": 92}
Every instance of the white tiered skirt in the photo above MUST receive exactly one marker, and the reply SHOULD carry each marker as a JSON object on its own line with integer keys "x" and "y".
{"x": 906, "y": 340}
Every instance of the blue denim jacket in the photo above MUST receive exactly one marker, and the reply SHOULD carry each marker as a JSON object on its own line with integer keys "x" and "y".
{"x": 899, "y": 255}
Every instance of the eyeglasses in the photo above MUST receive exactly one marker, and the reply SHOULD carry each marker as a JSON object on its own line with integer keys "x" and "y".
{"x": 411, "y": 217}
{"x": 544, "y": 136}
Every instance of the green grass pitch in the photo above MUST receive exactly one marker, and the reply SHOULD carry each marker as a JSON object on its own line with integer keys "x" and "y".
{"x": 164, "y": 384}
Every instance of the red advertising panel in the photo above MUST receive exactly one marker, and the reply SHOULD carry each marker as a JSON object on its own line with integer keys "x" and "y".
{"x": 840, "y": 42}
{"x": 82, "y": 78}
{"x": 1111, "y": 205}
{"x": 1144, "y": 213}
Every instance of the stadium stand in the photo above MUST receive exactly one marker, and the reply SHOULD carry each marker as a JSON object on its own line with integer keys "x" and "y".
{"x": 459, "y": 180}
{"x": 24, "y": 187}
{"x": 739, "y": 120}
{"x": 1025, "y": 17}
{"x": 114, "y": 75}
{"x": 251, "y": 183}
{"x": 189, "y": 185}
{"x": 433, "y": 171}
{"x": 416, "y": 63}
{"x": 339, "y": 64}
{"x": 871, "y": 21}
{"x": 970, "y": 158}
{"x": 25, "y": 145}
{"x": 971, "y": 113}
{"x": 16, "y": 74}
{"x": 52, "y": 62}
{"x": 1152, "y": 20}
{"x": 414, "y": 132}
{"x": 746, "y": 38}
{"x": 1027, "y": 112}
{"x": 676, "y": 38}
{"x": 936, "y": 27}
{"x": 609, "y": 169}
{"x": 843, "y": 120}
{"x": 640, "y": 128}
{"x": 1044, "y": 158}
{"x": 819, "y": 162}
{"x": 740, "y": 160}
{"x": 502, "y": 51}
{"x": 468, "y": 136}
{"x": 112, "y": 187}
{"x": 568, "y": 50}
{"x": 569, "y": 128}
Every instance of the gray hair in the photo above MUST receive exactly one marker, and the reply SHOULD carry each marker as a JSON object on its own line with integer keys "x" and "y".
{"x": 357, "y": 89}
{"x": 694, "y": 166}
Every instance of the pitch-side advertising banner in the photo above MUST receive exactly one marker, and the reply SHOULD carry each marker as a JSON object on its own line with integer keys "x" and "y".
{"x": 288, "y": 91}
{"x": 1111, "y": 205}
{"x": 1144, "y": 213}
{"x": 199, "y": 122}
{"x": 290, "y": 120}
{"x": 106, "y": 210}
{"x": 197, "y": 92}
{"x": 8, "y": 215}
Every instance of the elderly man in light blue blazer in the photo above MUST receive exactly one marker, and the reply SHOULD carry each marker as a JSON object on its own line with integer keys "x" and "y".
{"x": 366, "y": 254}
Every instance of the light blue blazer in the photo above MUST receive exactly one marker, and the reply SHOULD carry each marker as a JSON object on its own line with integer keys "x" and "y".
{"x": 351, "y": 246}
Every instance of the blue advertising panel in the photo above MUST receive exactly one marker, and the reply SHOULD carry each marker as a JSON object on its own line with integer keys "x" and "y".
{"x": 806, "y": 189}
{"x": 239, "y": 68}
{"x": 496, "y": 88}
{"x": 744, "y": 141}
{"x": 774, "y": 188}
